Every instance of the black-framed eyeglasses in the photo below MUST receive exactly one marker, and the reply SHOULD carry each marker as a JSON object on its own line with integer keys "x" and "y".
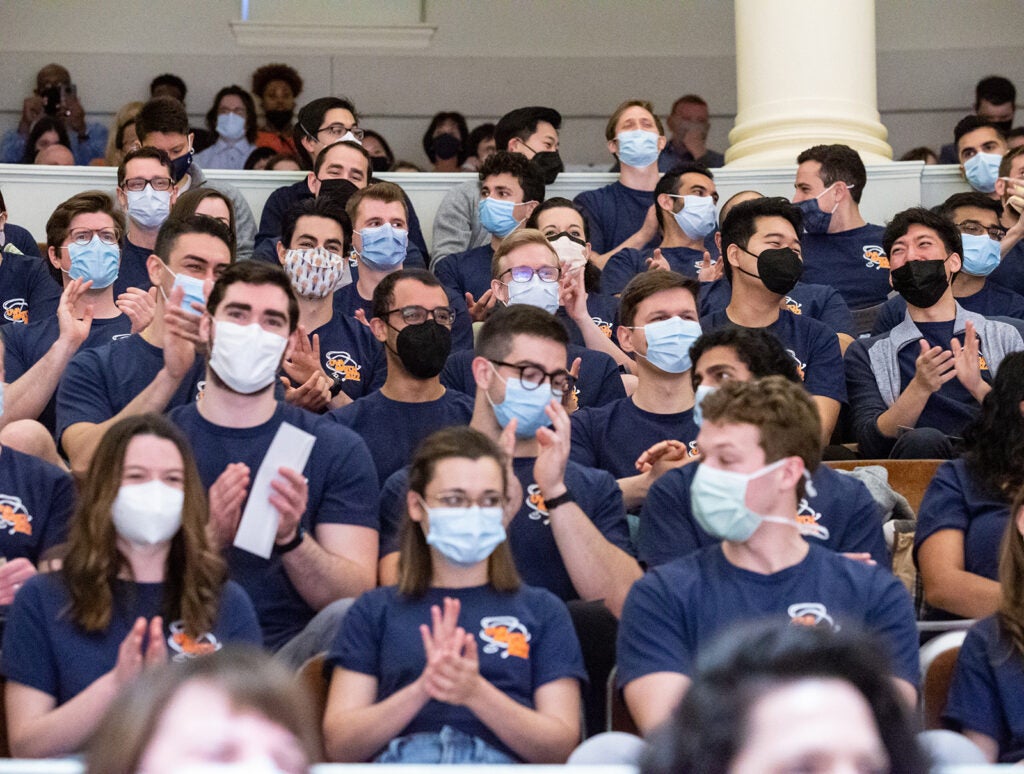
{"x": 140, "y": 183}
{"x": 416, "y": 315}
{"x": 532, "y": 376}
{"x": 974, "y": 228}
{"x": 337, "y": 131}
{"x": 83, "y": 236}
{"x": 525, "y": 273}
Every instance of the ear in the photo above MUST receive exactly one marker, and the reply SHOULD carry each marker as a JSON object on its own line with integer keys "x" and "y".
{"x": 314, "y": 183}
{"x": 482, "y": 372}
{"x": 414, "y": 507}
{"x": 718, "y": 241}
{"x": 1000, "y": 188}
{"x": 613, "y": 146}
{"x": 281, "y": 251}
{"x": 529, "y": 207}
{"x": 732, "y": 254}
{"x": 665, "y": 201}
{"x": 500, "y": 290}
{"x": 174, "y": 194}
{"x": 661, "y": 142}
{"x": 51, "y": 253}
{"x": 792, "y": 471}
{"x": 954, "y": 258}
{"x": 379, "y": 329}
{"x": 122, "y": 200}
{"x": 155, "y": 269}
{"x": 357, "y": 241}
{"x": 625, "y": 337}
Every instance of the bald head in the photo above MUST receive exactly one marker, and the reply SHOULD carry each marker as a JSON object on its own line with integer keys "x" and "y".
{"x": 56, "y": 155}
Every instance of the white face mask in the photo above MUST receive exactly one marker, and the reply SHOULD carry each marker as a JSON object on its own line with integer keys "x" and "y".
{"x": 148, "y": 208}
{"x": 246, "y": 357}
{"x": 571, "y": 254}
{"x": 149, "y": 513}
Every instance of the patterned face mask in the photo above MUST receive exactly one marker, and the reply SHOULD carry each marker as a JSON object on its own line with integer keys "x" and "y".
{"x": 317, "y": 272}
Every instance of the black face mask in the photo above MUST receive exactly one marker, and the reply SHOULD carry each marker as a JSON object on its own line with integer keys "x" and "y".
{"x": 1003, "y": 126}
{"x": 278, "y": 119}
{"x": 921, "y": 283}
{"x": 180, "y": 165}
{"x": 446, "y": 146}
{"x": 380, "y": 163}
{"x": 424, "y": 348}
{"x": 336, "y": 191}
{"x": 778, "y": 268}
{"x": 550, "y": 164}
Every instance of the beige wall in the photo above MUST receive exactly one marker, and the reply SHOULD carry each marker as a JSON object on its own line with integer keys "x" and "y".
{"x": 582, "y": 56}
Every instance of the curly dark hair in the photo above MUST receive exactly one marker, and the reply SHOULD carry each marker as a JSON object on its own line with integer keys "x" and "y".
{"x": 994, "y": 441}
{"x": 276, "y": 72}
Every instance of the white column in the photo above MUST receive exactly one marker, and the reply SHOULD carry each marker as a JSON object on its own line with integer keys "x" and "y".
{"x": 805, "y": 72}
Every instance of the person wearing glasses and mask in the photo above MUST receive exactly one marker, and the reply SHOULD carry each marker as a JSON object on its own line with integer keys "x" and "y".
{"x": 976, "y": 217}
{"x": 413, "y": 321}
{"x": 460, "y": 662}
{"x": 323, "y": 123}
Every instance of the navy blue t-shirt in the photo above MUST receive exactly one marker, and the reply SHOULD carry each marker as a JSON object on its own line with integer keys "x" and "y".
{"x": 534, "y": 550}
{"x": 842, "y": 505}
{"x": 393, "y": 429}
{"x": 467, "y": 272}
{"x": 613, "y": 436}
{"x": 987, "y": 693}
{"x": 347, "y": 300}
{"x": 98, "y": 383}
{"x": 342, "y": 486}
{"x": 132, "y": 272}
{"x": 1010, "y": 271}
{"x": 956, "y": 500}
{"x": 36, "y": 502}
{"x": 991, "y": 301}
{"x": 614, "y": 214}
{"x": 524, "y": 640}
{"x": 44, "y": 649}
{"x": 21, "y": 238}
{"x": 599, "y": 381}
{"x": 626, "y": 264}
{"x": 819, "y": 302}
{"x": 853, "y": 262}
{"x": 349, "y": 350}
{"x": 604, "y": 311}
{"x": 812, "y": 344}
{"x": 27, "y": 344}
{"x": 27, "y": 291}
{"x": 681, "y": 606}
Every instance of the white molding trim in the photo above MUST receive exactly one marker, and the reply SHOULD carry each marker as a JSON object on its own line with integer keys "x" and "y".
{"x": 331, "y": 37}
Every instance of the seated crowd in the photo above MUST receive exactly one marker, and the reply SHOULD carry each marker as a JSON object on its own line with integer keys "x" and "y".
{"x": 475, "y": 478}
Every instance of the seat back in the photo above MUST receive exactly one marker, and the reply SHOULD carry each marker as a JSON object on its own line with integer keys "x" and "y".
{"x": 311, "y": 676}
{"x": 938, "y": 660}
{"x": 908, "y": 477}
{"x": 618, "y": 714}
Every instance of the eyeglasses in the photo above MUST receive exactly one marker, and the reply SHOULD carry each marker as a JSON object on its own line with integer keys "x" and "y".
{"x": 416, "y": 315}
{"x": 525, "y": 273}
{"x": 83, "y": 236}
{"x": 457, "y": 499}
{"x": 140, "y": 183}
{"x": 337, "y": 131}
{"x": 532, "y": 376}
{"x": 238, "y": 111}
{"x": 974, "y": 228}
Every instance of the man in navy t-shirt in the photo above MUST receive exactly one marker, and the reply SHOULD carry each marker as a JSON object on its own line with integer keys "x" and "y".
{"x": 759, "y": 440}
{"x": 325, "y": 545}
{"x": 839, "y": 514}
{"x": 157, "y": 368}
{"x": 659, "y": 323}
{"x": 840, "y": 248}
{"x": 413, "y": 321}
{"x": 761, "y": 253}
{"x": 914, "y": 388}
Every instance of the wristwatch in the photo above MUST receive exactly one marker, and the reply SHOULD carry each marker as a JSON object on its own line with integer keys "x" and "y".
{"x": 337, "y": 383}
{"x": 291, "y": 545}
{"x": 562, "y": 499}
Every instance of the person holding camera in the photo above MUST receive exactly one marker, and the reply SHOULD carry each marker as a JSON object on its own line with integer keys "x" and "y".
{"x": 55, "y": 95}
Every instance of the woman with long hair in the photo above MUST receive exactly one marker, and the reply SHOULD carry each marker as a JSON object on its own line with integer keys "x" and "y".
{"x": 45, "y": 132}
{"x": 232, "y": 120}
{"x": 965, "y": 509}
{"x": 460, "y": 662}
{"x": 986, "y": 699}
{"x": 207, "y": 201}
{"x": 140, "y": 584}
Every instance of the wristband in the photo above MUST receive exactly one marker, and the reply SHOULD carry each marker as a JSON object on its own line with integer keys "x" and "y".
{"x": 291, "y": 545}
{"x": 562, "y": 499}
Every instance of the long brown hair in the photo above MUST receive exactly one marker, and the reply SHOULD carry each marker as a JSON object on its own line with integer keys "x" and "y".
{"x": 415, "y": 565}
{"x": 1011, "y": 578}
{"x": 194, "y": 574}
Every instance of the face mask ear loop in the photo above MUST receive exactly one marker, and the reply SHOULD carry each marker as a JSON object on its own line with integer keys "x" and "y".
{"x": 809, "y": 487}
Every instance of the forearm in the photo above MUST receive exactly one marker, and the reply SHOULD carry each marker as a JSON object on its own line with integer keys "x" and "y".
{"x": 352, "y": 735}
{"x": 598, "y": 569}
{"x": 594, "y": 339}
{"x": 27, "y": 396}
{"x": 960, "y": 592}
{"x": 634, "y": 490}
{"x": 62, "y": 730}
{"x": 904, "y": 412}
{"x": 322, "y": 577}
{"x": 81, "y": 439}
{"x": 828, "y": 411}
{"x": 534, "y": 736}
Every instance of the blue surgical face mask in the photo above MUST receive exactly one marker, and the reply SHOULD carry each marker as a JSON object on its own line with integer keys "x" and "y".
{"x": 981, "y": 254}
{"x": 496, "y": 216}
{"x": 465, "y": 536}
{"x": 95, "y": 261}
{"x": 668, "y": 343}
{"x": 535, "y": 292}
{"x": 697, "y": 219}
{"x": 702, "y": 392}
{"x": 718, "y": 500}
{"x": 231, "y": 126}
{"x": 815, "y": 220}
{"x": 638, "y": 149}
{"x": 384, "y": 247}
{"x": 982, "y": 171}
{"x": 525, "y": 406}
{"x": 195, "y": 289}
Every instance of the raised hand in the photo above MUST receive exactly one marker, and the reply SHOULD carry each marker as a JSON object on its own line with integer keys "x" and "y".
{"x": 289, "y": 495}
{"x": 139, "y": 305}
{"x": 934, "y": 367}
{"x": 226, "y": 497}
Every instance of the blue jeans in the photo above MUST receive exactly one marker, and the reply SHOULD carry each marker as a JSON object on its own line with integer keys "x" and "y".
{"x": 446, "y": 746}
